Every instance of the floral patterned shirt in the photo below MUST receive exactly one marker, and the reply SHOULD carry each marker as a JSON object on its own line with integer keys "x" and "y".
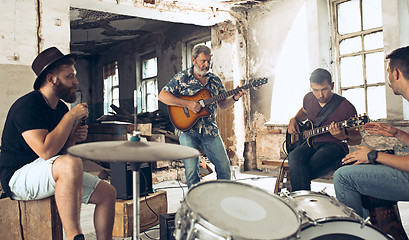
{"x": 184, "y": 83}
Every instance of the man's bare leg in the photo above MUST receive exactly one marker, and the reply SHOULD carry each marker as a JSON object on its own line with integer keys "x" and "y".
{"x": 104, "y": 198}
{"x": 67, "y": 173}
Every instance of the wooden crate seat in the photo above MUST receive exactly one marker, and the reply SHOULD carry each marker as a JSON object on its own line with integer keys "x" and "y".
{"x": 30, "y": 220}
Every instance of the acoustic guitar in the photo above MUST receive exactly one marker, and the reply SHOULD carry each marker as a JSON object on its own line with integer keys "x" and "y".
{"x": 184, "y": 119}
{"x": 307, "y": 131}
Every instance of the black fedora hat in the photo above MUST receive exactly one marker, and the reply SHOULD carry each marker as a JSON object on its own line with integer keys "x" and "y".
{"x": 44, "y": 60}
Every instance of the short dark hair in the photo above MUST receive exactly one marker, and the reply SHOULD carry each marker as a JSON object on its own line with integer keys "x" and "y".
{"x": 55, "y": 68}
{"x": 399, "y": 58}
{"x": 201, "y": 49}
{"x": 320, "y": 75}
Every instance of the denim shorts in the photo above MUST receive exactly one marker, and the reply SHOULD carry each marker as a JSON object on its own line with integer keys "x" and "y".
{"x": 35, "y": 181}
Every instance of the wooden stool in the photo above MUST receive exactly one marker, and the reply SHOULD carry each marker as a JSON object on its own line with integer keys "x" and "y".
{"x": 385, "y": 215}
{"x": 30, "y": 220}
{"x": 283, "y": 173}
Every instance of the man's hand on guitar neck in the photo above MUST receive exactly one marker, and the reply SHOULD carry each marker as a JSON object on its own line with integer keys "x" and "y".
{"x": 337, "y": 132}
{"x": 228, "y": 102}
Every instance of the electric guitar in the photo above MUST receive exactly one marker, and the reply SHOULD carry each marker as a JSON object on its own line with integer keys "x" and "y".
{"x": 184, "y": 119}
{"x": 307, "y": 131}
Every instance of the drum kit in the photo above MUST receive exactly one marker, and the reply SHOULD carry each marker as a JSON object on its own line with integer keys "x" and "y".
{"x": 222, "y": 209}
{"x": 219, "y": 210}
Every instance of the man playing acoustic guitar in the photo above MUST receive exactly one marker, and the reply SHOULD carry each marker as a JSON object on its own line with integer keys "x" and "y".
{"x": 204, "y": 133}
{"x": 319, "y": 156}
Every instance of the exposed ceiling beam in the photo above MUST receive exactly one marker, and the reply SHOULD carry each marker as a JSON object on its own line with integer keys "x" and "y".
{"x": 197, "y": 12}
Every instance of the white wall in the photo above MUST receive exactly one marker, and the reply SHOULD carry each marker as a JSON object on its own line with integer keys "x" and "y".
{"x": 25, "y": 32}
{"x": 287, "y": 41}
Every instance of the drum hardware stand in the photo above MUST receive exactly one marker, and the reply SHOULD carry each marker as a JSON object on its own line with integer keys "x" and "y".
{"x": 192, "y": 234}
{"x": 136, "y": 191}
{"x": 365, "y": 222}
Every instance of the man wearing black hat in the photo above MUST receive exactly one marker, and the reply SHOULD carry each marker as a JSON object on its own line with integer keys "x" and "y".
{"x": 38, "y": 130}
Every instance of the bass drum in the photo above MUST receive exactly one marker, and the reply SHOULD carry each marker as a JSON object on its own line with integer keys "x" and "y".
{"x": 325, "y": 218}
{"x": 231, "y": 210}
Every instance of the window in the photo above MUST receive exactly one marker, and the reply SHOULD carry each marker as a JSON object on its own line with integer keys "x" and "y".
{"x": 189, "y": 49}
{"x": 111, "y": 86}
{"x": 359, "y": 57}
{"x": 148, "y": 91}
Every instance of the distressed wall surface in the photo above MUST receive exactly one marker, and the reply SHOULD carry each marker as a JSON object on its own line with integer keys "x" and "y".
{"x": 288, "y": 40}
{"x": 27, "y": 28}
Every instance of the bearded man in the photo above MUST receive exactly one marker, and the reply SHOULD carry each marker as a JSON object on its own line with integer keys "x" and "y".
{"x": 204, "y": 133}
{"x": 38, "y": 130}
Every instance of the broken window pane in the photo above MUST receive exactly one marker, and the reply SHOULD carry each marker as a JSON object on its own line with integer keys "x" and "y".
{"x": 115, "y": 93}
{"x": 115, "y": 79}
{"x": 111, "y": 86}
{"x": 349, "y": 17}
{"x": 373, "y": 41}
{"x": 149, "y": 68}
{"x": 376, "y": 102}
{"x": 350, "y": 45}
{"x": 371, "y": 14}
{"x": 375, "y": 68}
{"x": 351, "y": 71}
{"x": 357, "y": 98}
{"x": 151, "y": 95}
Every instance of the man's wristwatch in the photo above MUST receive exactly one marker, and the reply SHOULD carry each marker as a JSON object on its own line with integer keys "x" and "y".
{"x": 372, "y": 156}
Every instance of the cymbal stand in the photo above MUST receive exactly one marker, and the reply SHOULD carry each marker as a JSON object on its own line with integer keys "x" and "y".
{"x": 135, "y": 192}
{"x": 135, "y": 178}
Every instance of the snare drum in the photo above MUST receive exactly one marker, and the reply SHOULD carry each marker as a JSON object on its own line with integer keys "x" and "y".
{"x": 232, "y": 210}
{"x": 324, "y": 217}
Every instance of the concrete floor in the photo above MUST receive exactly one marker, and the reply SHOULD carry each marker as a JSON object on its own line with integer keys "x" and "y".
{"x": 175, "y": 195}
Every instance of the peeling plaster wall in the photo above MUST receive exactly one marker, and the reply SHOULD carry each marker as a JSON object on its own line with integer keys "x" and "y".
{"x": 287, "y": 57}
{"x": 395, "y": 16}
{"x": 228, "y": 61}
{"x": 27, "y": 28}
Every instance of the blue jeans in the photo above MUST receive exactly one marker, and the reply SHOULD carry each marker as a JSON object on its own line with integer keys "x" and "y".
{"x": 379, "y": 181}
{"x": 214, "y": 149}
{"x": 308, "y": 163}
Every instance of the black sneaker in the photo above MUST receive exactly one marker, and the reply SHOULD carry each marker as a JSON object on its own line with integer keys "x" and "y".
{"x": 79, "y": 237}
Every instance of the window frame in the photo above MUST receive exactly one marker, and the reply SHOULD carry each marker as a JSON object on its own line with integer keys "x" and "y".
{"x": 111, "y": 87}
{"x": 337, "y": 56}
{"x": 142, "y": 90}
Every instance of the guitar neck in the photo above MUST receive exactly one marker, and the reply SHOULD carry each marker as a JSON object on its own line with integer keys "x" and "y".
{"x": 226, "y": 94}
{"x": 321, "y": 130}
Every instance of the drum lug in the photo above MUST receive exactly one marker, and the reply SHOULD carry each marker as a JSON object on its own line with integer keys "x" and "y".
{"x": 285, "y": 194}
{"x": 310, "y": 220}
{"x": 324, "y": 192}
{"x": 365, "y": 222}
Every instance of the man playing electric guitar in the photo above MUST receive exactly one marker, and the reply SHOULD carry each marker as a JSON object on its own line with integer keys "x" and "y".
{"x": 322, "y": 107}
{"x": 204, "y": 133}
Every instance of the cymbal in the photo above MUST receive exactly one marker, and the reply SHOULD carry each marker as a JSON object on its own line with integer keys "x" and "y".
{"x": 132, "y": 151}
